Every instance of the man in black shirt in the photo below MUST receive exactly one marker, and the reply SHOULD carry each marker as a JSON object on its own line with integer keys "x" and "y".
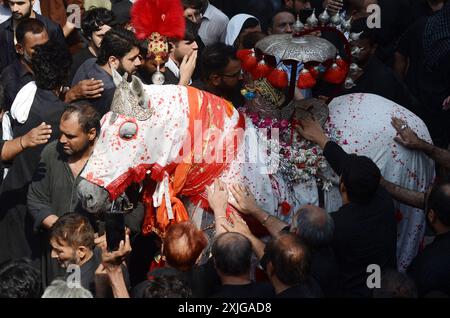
{"x": 288, "y": 262}
{"x": 22, "y": 10}
{"x": 425, "y": 49}
{"x": 365, "y": 226}
{"x": 29, "y": 33}
{"x": 431, "y": 268}
{"x": 95, "y": 23}
{"x": 232, "y": 253}
{"x": 119, "y": 51}
{"x": 51, "y": 64}
{"x": 375, "y": 77}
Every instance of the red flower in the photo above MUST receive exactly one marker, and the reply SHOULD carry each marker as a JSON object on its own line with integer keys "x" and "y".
{"x": 285, "y": 208}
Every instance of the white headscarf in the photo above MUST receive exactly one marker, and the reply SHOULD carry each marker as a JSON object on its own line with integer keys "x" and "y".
{"x": 235, "y": 26}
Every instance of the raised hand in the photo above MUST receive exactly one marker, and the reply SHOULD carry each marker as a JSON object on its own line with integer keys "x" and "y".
{"x": 407, "y": 137}
{"x": 187, "y": 68}
{"x": 311, "y": 130}
{"x": 218, "y": 196}
{"x": 37, "y": 136}
{"x": 245, "y": 200}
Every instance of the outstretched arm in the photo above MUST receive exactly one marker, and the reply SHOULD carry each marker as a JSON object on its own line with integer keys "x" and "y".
{"x": 403, "y": 195}
{"x": 37, "y": 136}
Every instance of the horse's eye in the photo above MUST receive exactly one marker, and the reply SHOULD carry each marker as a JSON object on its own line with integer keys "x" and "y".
{"x": 128, "y": 130}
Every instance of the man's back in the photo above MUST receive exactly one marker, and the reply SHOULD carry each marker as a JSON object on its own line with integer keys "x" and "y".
{"x": 365, "y": 234}
{"x": 15, "y": 226}
{"x": 431, "y": 268}
{"x": 14, "y": 77}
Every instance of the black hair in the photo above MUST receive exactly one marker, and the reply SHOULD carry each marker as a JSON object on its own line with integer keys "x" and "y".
{"x": 272, "y": 18}
{"x": 118, "y": 43}
{"x": 249, "y": 23}
{"x": 232, "y": 253}
{"x": 200, "y": 5}
{"x": 88, "y": 116}
{"x": 215, "y": 59}
{"x": 51, "y": 64}
{"x": 439, "y": 202}
{"x": 28, "y": 25}
{"x": 190, "y": 33}
{"x": 94, "y": 19}
{"x": 19, "y": 279}
{"x": 167, "y": 286}
{"x": 290, "y": 258}
{"x": 361, "y": 177}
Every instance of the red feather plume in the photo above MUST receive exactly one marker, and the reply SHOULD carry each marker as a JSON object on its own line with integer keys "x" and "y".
{"x": 162, "y": 16}
{"x": 241, "y": 54}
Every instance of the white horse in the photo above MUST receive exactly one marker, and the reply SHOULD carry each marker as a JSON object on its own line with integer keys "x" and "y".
{"x": 150, "y": 135}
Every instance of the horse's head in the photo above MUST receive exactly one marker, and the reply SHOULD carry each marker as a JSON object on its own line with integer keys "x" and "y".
{"x": 131, "y": 139}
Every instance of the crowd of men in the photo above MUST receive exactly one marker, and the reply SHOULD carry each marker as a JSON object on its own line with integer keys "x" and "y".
{"x": 56, "y": 83}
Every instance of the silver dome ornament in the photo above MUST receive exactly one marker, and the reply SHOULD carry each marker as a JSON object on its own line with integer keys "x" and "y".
{"x": 312, "y": 21}
{"x": 355, "y": 36}
{"x": 158, "y": 77}
{"x": 356, "y": 51}
{"x": 347, "y": 24}
{"x": 349, "y": 83}
{"x": 336, "y": 20}
{"x": 324, "y": 17}
{"x": 298, "y": 25}
{"x": 354, "y": 68}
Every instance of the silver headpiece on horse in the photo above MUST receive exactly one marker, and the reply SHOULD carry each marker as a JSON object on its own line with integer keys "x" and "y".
{"x": 129, "y": 98}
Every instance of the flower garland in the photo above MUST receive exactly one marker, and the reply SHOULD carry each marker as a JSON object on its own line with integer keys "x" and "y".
{"x": 299, "y": 160}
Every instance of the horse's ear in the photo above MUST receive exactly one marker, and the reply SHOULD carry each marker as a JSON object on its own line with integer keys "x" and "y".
{"x": 138, "y": 88}
{"x": 117, "y": 78}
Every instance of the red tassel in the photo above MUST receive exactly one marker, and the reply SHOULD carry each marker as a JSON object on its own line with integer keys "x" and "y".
{"x": 306, "y": 80}
{"x": 242, "y": 54}
{"x": 335, "y": 74}
{"x": 314, "y": 71}
{"x": 249, "y": 62}
{"x": 278, "y": 78}
{"x": 261, "y": 70}
{"x": 340, "y": 62}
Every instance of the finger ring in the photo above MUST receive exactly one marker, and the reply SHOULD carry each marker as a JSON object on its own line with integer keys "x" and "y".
{"x": 403, "y": 127}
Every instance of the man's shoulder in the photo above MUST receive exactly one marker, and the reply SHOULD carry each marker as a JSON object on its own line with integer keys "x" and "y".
{"x": 4, "y": 25}
{"x": 49, "y": 24}
{"x": 50, "y": 151}
{"x": 217, "y": 14}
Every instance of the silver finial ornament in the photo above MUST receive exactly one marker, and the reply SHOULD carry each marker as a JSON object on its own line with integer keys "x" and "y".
{"x": 354, "y": 68}
{"x": 355, "y": 36}
{"x": 347, "y": 24}
{"x": 356, "y": 51}
{"x": 336, "y": 19}
{"x": 298, "y": 25}
{"x": 349, "y": 83}
{"x": 158, "y": 77}
{"x": 324, "y": 17}
{"x": 312, "y": 21}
